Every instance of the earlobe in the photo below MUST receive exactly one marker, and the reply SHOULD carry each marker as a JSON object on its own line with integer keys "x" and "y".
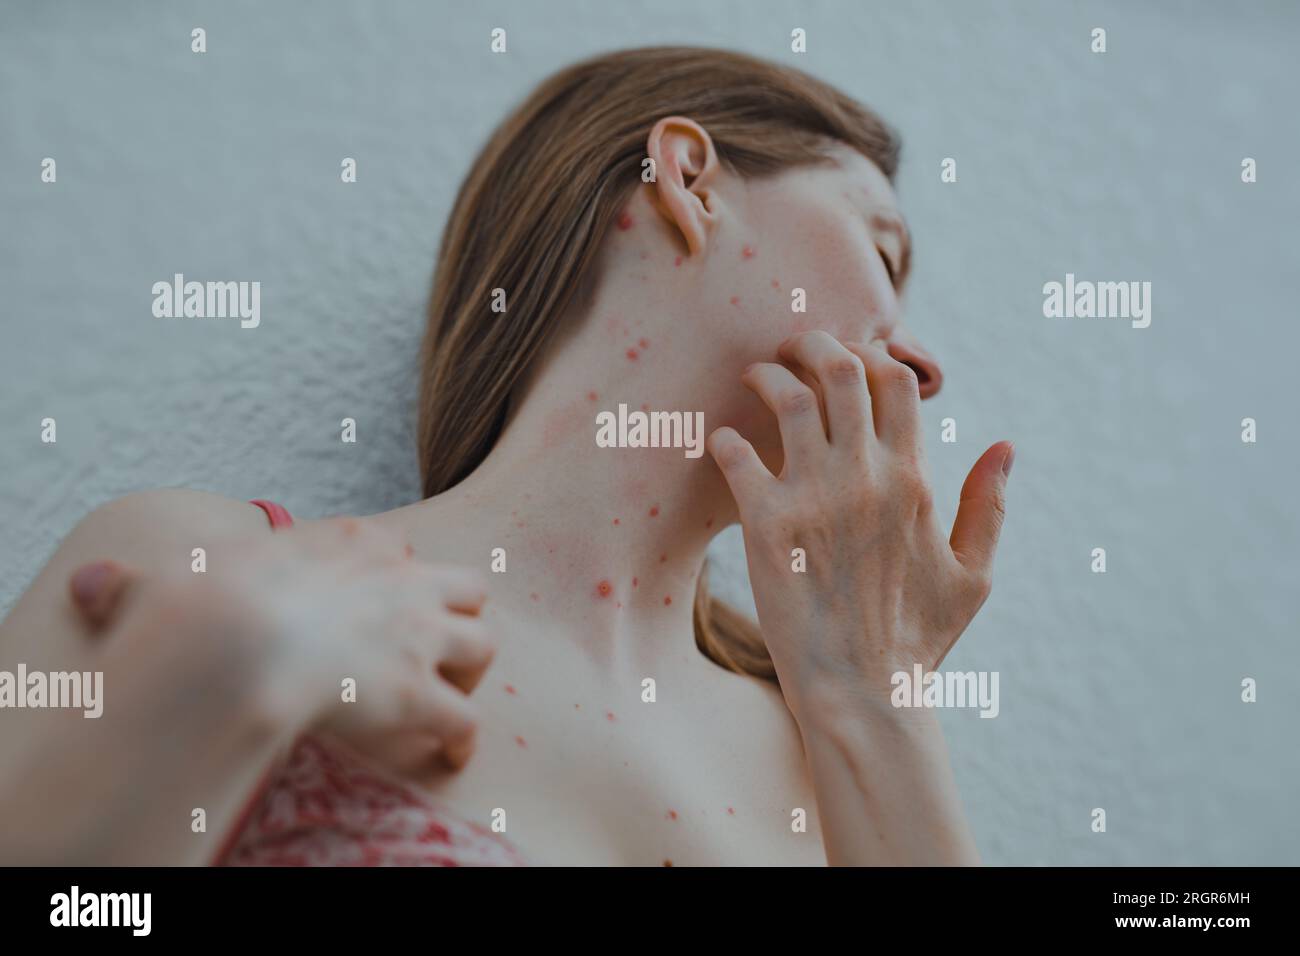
{"x": 685, "y": 167}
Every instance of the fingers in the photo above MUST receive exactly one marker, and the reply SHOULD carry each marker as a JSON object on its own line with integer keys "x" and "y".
{"x": 97, "y": 590}
{"x": 795, "y": 405}
{"x": 895, "y": 397}
{"x": 975, "y": 533}
{"x": 740, "y": 465}
{"x": 461, "y": 589}
{"x": 452, "y": 719}
{"x": 841, "y": 376}
{"x": 466, "y": 654}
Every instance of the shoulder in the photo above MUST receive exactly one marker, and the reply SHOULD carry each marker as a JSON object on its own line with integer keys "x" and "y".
{"x": 146, "y": 530}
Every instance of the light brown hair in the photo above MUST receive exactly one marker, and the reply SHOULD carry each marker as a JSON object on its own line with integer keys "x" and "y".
{"x": 535, "y": 208}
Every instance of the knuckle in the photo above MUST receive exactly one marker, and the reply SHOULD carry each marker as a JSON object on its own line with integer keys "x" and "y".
{"x": 902, "y": 377}
{"x": 796, "y": 401}
{"x": 732, "y": 455}
{"x": 844, "y": 369}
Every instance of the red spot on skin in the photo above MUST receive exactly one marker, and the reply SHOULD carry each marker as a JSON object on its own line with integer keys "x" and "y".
{"x": 672, "y": 814}
{"x": 709, "y": 523}
{"x": 521, "y": 742}
{"x": 521, "y": 524}
{"x": 645, "y": 407}
{"x": 609, "y": 715}
{"x": 654, "y": 511}
{"x": 615, "y": 521}
{"x": 632, "y": 355}
{"x": 510, "y": 689}
{"x": 775, "y": 284}
{"x": 735, "y": 300}
{"x": 668, "y": 599}
{"x": 668, "y": 862}
{"x": 577, "y": 707}
{"x": 592, "y": 396}
{"x": 624, "y": 221}
{"x": 410, "y": 551}
{"x": 634, "y": 582}
{"x": 731, "y": 811}
{"x": 644, "y": 343}
{"x": 747, "y": 252}
{"x": 663, "y": 558}
{"x": 619, "y": 605}
{"x": 677, "y": 261}
{"x": 534, "y": 596}
{"x": 604, "y": 589}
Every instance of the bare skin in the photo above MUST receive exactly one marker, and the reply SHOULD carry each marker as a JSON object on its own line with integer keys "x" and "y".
{"x": 604, "y": 546}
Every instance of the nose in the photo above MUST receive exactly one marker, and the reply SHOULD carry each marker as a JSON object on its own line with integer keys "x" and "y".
{"x": 904, "y": 347}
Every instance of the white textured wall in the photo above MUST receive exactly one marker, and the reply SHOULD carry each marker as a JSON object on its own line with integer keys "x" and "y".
{"x": 1118, "y": 690}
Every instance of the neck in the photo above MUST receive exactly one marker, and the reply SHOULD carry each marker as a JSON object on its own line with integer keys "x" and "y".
{"x": 607, "y": 540}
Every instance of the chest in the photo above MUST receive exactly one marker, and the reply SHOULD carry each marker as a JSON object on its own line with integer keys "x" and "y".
{"x": 580, "y": 769}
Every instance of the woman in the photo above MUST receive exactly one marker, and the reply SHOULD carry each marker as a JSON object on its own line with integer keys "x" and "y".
{"x": 670, "y": 230}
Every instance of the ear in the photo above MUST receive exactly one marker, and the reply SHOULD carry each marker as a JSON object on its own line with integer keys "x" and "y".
{"x": 685, "y": 165}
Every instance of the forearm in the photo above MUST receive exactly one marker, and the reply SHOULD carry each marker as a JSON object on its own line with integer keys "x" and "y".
{"x": 192, "y": 719}
{"x": 885, "y": 789}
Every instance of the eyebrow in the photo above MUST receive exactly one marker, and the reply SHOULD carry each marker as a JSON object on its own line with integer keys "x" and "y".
{"x": 896, "y": 225}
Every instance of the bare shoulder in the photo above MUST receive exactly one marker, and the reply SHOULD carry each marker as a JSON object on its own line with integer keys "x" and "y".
{"x": 147, "y": 530}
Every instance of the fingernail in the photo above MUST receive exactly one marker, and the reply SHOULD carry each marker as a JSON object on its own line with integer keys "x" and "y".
{"x": 1008, "y": 460}
{"x": 88, "y": 582}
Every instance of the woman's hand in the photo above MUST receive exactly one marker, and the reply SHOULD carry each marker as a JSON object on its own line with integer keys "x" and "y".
{"x": 883, "y": 589}
{"x": 323, "y": 603}
{"x": 357, "y": 606}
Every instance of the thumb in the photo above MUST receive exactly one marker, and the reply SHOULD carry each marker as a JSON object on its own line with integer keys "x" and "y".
{"x": 982, "y": 508}
{"x": 96, "y": 590}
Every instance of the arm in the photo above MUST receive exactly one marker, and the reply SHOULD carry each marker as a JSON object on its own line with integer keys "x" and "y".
{"x": 187, "y": 720}
{"x": 882, "y": 591}
{"x": 208, "y": 677}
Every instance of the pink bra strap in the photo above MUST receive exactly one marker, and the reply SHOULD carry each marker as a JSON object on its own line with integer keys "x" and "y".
{"x": 278, "y": 516}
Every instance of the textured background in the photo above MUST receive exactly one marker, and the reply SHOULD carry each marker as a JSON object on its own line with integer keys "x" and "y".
{"x": 1118, "y": 690}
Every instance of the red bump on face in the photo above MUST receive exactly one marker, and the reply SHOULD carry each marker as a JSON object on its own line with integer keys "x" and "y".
{"x": 709, "y": 523}
{"x": 677, "y": 261}
{"x": 624, "y": 221}
{"x": 615, "y": 521}
{"x": 668, "y": 862}
{"x": 634, "y": 582}
{"x": 663, "y": 558}
{"x": 668, "y": 599}
{"x": 604, "y": 589}
{"x": 410, "y": 551}
{"x": 654, "y": 511}
{"x": 731, "y": 811}
{"x": 510, "y": 689}
{"x": 644, "y": 343}
{"x": 735, "y": 300}
{"x": 534, "y": 596}
{"x": 521, "y": 742}
{"x": 672, "y": 814}
{"x": 592, "y": 396}
{"x": 775, "y": 284}
{"x": 609, "y": 715}
{"x": 632, "y": 355}
{"x": 747, "y": 252}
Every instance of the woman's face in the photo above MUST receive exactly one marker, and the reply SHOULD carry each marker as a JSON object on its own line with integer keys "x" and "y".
{"x": 820, "y": 247}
